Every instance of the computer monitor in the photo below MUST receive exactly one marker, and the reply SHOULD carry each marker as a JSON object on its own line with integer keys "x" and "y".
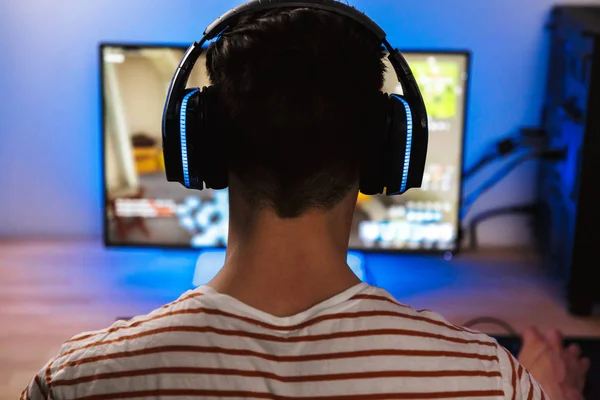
{"x": 143, "y": 209}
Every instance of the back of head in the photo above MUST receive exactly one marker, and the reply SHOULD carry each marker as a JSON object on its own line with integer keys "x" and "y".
{"x": 300, "y": 89}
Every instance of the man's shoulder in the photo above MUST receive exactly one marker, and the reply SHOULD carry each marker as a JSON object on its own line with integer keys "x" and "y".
{"x": 126, "y": 338}
{"x": 423, "y": 324}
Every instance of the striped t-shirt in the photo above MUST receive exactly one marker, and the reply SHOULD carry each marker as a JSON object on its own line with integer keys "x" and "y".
{"x": 360, "y": 344}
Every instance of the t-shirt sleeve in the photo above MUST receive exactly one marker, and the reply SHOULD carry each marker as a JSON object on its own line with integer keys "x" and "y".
{"x": 518, "y": 384}
{"x": 38, "y": 388}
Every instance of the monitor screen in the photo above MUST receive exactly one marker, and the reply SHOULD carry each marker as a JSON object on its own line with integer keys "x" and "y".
{"x": 143, "y": 209}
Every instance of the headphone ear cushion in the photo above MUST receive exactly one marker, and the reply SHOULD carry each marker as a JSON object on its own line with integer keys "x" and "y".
{"x": 373, "y": 149}
{"x": 212, "y": 132}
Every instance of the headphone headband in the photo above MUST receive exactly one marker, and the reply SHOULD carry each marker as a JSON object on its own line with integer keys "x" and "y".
{"x": 221, "y": 23}
{"x": 403, "y": 71}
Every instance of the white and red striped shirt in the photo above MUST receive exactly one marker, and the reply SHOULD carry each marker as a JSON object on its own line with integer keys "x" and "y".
{"x": 359, "y": 345}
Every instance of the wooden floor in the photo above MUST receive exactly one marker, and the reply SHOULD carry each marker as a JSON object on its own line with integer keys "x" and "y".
{"x": 50, "y": 291}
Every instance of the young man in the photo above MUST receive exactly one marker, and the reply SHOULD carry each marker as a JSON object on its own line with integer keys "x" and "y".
{"x": 286, "y": 318}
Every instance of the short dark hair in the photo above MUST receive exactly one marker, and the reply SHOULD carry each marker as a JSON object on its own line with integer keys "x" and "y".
{"x": 298, "y": 87}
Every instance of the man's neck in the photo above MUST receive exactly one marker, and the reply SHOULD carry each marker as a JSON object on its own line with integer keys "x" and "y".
{"x": 284, "y": 267}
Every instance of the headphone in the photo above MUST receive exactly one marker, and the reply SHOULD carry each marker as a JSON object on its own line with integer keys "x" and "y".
{"x": 392, "y": 157}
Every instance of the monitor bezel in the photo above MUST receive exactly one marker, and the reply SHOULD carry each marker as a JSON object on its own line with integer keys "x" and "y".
{"x": 105, "y": 219}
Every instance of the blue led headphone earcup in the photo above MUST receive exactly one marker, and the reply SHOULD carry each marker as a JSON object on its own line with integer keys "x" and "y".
{"x": 188, "y": 127}
{"x": 398, "y": 146}
{"x": 201, "y": 139}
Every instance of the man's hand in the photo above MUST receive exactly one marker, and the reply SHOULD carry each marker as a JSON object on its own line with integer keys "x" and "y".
{"x": 560, "y": 371}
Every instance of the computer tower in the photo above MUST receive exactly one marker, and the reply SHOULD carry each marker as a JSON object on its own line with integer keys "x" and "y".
{"x": 568, "y": 219}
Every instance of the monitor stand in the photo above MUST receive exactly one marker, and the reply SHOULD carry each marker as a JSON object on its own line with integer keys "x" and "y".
{"x": 210, "y": 262}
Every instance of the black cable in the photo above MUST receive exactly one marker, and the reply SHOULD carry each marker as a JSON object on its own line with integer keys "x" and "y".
{"x": 548, "y": 155}
{"x": 528, "y": 137}
{"x": 493, "y": 321}
{"x": 492, "y": 181}
{"x": 502, "y": 149}
{"x": 476, "y": 220}
{"x": 487, "y": 159}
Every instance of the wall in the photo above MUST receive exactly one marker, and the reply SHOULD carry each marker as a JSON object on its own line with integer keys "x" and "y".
{"x": 50, "y": 181}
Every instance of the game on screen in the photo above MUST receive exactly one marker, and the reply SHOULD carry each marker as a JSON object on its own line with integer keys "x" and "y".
{"x": 143, "y": 209}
